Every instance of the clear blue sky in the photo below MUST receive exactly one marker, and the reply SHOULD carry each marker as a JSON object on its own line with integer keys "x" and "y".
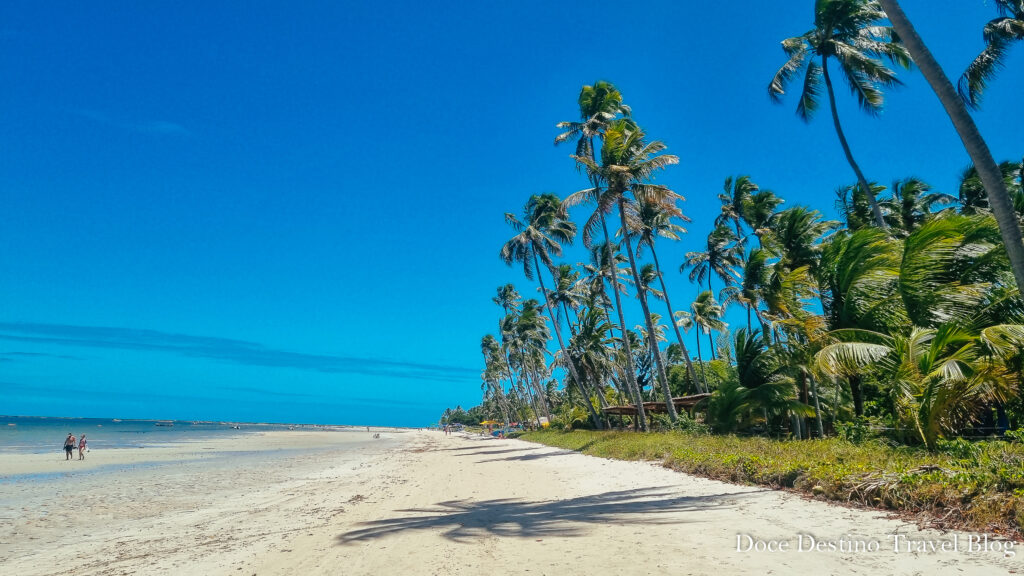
{"x": 292, "y": 211}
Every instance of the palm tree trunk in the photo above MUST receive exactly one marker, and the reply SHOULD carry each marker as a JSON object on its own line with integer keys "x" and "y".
{"x": 672, "y": 320}
{"x": 988, "y": 170}
{"x": 628, "y": 369}
{"x": 651, "y": 334}
{"x": 846, "y": 148}
{"x": 561, "y": 344}
{"x": 700, "y": 359}
{"x": 817, "y": 406}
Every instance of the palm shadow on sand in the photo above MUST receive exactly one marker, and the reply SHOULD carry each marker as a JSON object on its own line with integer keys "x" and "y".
{"x": 463, "y": 520}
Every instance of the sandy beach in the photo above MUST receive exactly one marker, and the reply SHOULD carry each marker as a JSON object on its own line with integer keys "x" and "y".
{"x": 318, "y": 502}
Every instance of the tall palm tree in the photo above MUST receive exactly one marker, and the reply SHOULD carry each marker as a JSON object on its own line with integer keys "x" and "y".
{"x": 493, "y": 369}
{"x": 759, "y": 211}
{"x": 748, "y": 293}
{"x": 999, "y": 197}
{"x": 599, "y": 106}
{"x": 653, "y": 220}
{"x": 706, "y": 315}
{"x": 544, "y": 227}
{"x": 850, "y": 33}
{"x": 912, "y": 202}
{"x": 998, "y": 34}
{"x": 735, "y": 196}
{"x": 720, "y": 258}
{"x": 628, "y": 162}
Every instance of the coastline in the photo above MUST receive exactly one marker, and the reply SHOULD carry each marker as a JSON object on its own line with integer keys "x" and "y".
{"x": 421, "y": 502}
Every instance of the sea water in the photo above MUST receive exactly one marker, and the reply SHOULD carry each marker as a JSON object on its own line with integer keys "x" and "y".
{"x": 38, "y": 435}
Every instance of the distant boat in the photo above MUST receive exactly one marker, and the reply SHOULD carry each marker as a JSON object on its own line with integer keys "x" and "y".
{"x": 11, "y": 424}
{"x": 236, "y": 427}
{"x": 164, "y": 423}
{"x": 116, "y": 420}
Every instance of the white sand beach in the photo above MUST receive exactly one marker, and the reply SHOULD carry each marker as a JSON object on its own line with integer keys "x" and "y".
{"x": 318, "y": 502}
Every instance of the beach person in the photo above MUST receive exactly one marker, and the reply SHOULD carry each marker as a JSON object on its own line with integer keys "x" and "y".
{"x": 69, "y": 446}
{"x": 82, "y": 444}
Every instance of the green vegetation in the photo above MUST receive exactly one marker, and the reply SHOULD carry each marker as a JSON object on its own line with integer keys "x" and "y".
{"x": 974, "y": 486}
{"x": 899, "y": 326}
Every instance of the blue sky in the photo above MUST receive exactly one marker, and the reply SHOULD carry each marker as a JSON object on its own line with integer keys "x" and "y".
{"x": 293, "y": 212}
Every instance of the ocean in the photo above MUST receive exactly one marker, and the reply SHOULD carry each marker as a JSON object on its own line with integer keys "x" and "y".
{"x": 39, "y": 435}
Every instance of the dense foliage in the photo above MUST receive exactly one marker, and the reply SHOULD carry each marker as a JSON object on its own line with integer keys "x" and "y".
{"x": 902, "y": 317}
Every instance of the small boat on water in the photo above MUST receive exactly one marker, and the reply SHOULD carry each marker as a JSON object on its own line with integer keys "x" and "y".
{"x": 116, "y": 420}
{"x": 164, "y": 423}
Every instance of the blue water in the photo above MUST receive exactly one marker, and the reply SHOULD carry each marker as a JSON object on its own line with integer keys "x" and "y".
{"x": 37, "y": 435}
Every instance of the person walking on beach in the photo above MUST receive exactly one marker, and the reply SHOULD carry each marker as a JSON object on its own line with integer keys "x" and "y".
{"x": 81, "y": 448}
{"x": 69, "y": 446}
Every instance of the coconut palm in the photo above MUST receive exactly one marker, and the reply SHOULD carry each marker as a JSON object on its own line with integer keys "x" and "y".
{"x": 912, "y": 202}
{"x": 852, "y": 204}
{"x": 628, "y": 162}
{"x": 998, "y": 196}
{"x": 999, "y": 34}
{"x": 706, "y": 314}
{"x": 972, "y": 196}
{"x": 748, "y": 293}
{"x": 720, "y": 258}
{"x": 735, "y": 196}
{"x": 940, "y": 376}
{"x": 850, "y": 33}
{"x": 759, "y": 211}
{"x": 653, "y": 220}
{"x": 599, "y": 106}
{"x": 544, "y": 227}
{"x": 796, "y": 237}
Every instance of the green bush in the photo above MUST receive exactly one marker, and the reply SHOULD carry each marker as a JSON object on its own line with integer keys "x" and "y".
{"x": 966, "y": 485}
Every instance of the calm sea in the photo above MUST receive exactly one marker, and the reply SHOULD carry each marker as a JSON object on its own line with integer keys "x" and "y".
{"x": 35, "y": 435}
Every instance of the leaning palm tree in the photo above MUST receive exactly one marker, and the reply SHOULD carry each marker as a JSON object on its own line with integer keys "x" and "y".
{"x": 749, "y": 291}
{"x": 850, "y": 33}
{"x": 628, "y": 162}
{"x": 759, "y": 210}
{"x": 998, "y": 34}
{"x": 720, "y": 258}
{"x": 912, "y": 202}
{"x": 735, "y": 196}
{"x": 544, "y": 227}
{"x": 599, "y": 106}
{"x": 653, "y": 220}
{"x": 706, "y": 315}
{"x": 998, "y": 196}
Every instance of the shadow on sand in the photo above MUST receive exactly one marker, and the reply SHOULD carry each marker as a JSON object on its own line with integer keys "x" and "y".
{"x": 461, "y": 520}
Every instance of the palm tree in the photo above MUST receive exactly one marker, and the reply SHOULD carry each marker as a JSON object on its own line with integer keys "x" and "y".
{"x": 852, "y": 203}
{"x": 493, "y": 368}
{"x": 998, "y": 34}
{"x": 735, "y": 196}
{"x": 759, "y": 211}
{"x": 912, "y": 202}
{"x": 940, "y": 375}
{"x": 706, "y": 315}
{"x": 849, "y": 32}
{"x": 999, "y": 197}
{"x": 628, "y": 162}
{"x": 797, "y": 235}
{"x": 654, "y": 219}
{"x": 720, "y": 258}
{"x": 972, "y": 196}
{"x": 748, "y": 293}
{"x": 599, "y": 105}
{"x": 545, "y": 225}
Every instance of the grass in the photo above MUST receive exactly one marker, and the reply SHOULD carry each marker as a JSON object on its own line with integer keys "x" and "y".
{"x": 969, "y": 486}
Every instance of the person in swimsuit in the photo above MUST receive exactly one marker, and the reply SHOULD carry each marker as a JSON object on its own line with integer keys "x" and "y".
{"x": 69, "y": 446}
{"x": 81, "y": 448}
